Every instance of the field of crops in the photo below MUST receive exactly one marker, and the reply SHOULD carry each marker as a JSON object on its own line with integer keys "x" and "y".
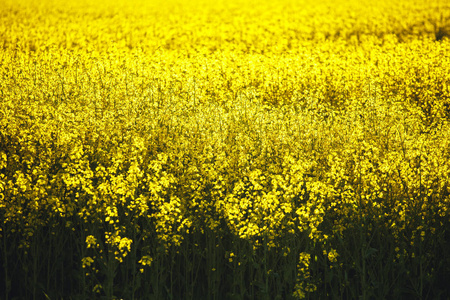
{"x": 230, "y": 149}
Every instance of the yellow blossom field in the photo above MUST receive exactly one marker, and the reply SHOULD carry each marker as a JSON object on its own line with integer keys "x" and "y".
{"x": 230, "y": 149}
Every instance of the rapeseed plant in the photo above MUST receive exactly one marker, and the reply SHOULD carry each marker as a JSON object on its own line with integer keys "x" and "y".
{"x": 184, "y": 150}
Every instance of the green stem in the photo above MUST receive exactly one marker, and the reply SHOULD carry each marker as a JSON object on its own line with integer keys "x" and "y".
{"x": 5, "y": 261}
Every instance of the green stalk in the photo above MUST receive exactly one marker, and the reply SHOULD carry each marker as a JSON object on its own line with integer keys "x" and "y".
{"x": 5, "y": 267}
{"x": 266, "y": 276}
{"x": 361, "y": 235}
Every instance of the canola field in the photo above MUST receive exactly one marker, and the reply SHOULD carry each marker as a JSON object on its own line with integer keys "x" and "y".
{"x": 230, "y": 149}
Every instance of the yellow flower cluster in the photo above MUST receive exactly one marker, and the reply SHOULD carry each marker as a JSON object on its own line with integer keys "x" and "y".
{"x": 163, "y": 134}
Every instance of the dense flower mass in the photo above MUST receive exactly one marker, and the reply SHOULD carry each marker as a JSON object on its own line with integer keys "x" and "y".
{"x": 234, "y": 149}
